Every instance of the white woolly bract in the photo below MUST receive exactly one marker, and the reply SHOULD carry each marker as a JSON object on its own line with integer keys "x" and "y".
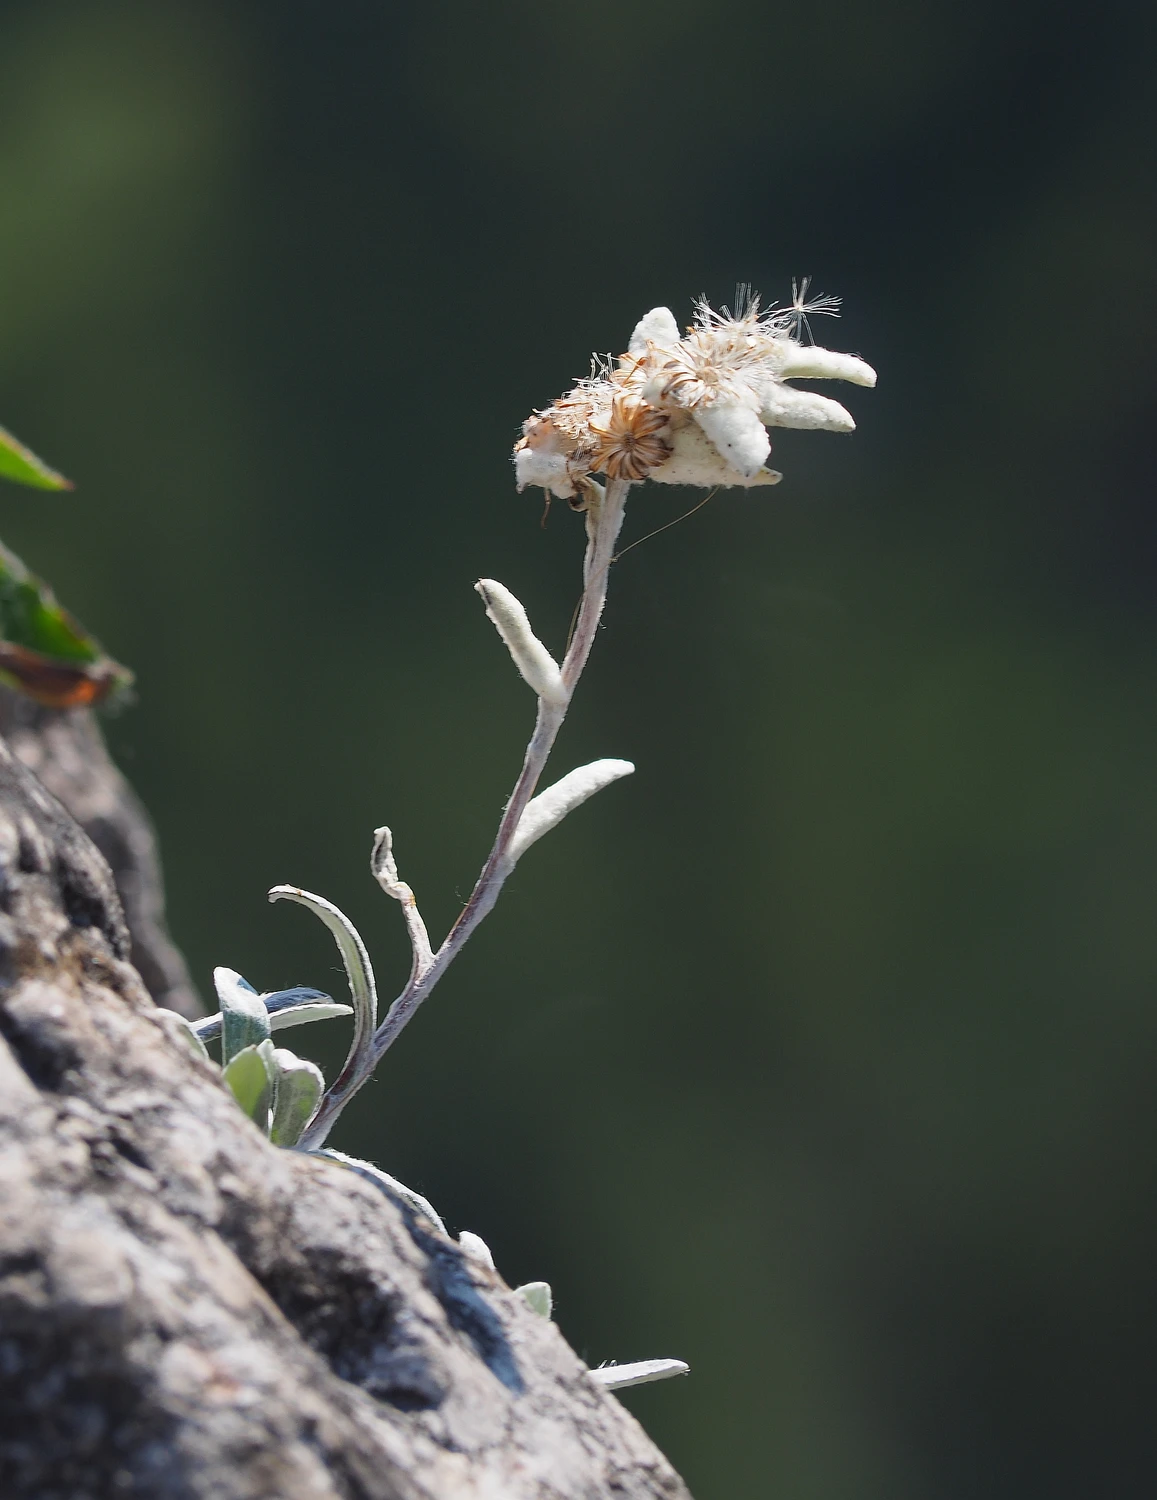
{"x": 530, "y": 656}
{"x": 695, "y": 460}
{"x": 549, "y": 808}
{"x": 656, "y": 327}
{"x": 543, "y": 471}
{"x": 727, "y": 374}
{"x": 784, "y": 406}
{"x": 738, "y": 434}
{"x": 543, "y": 460}
{"x": 807, "y": 362}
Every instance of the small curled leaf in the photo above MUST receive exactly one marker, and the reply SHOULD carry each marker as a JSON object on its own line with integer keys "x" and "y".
{"x": 359, "y": 970}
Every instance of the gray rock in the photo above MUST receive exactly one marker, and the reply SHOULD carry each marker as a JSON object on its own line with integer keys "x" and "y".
{"x": 187, "y": 1311}
{"x": 66, "y": 750}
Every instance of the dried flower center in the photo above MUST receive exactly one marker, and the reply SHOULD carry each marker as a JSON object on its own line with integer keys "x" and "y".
{"x": 630, "y": 437}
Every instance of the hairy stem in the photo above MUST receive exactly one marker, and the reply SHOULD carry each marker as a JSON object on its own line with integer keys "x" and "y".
{"x": 604, "y": 522}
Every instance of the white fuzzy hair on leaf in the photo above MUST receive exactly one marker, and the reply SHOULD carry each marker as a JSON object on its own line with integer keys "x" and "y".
{"x": 530, "y": 656}
{"x": 549, "y": 808}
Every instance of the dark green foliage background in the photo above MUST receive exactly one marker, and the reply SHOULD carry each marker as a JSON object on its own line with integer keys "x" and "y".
{"x": 823, "y": 1052}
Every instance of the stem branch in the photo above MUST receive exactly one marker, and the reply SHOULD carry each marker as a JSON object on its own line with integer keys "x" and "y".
{"x": 604, "y": 522}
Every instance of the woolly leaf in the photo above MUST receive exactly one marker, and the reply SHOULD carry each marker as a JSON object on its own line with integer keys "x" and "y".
{"x": 618, "y": 1377}
{"x": 299, "y": 994}
{"x": 244, "y": 1019}
{"x": 537, "y": 1297}
{"x": 299, "y": 1089}
{"x": 299, "y": 1015}
{"x": 359, "y": 970}
{"x": 208, "y": 1028}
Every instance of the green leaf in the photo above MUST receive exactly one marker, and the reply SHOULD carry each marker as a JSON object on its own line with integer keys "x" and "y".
{"x": 244, "y": 1019}
{"x": 299, "y": 1089}
{"x": 19, "y": 463}
{"x": 252, "y": 1078}
{"x": 43, "y": 650}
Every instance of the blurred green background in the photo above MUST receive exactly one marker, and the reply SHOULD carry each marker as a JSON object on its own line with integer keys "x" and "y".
{"x": 823, "y": 1052}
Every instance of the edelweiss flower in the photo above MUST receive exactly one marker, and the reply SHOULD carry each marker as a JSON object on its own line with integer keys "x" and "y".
{"x": 692, "y": 409}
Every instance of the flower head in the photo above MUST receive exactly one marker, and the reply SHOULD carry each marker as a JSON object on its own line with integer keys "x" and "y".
{"x": 631, "y": 436}
{"x": 690, "y": 409}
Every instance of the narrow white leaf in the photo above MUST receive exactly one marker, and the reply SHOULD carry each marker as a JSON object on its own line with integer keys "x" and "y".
{"x": 549, "y": 808}
{"x": 617, "y": 1377}
{"x": 208, "y": 1028}
{"x": 530, "y": 656}
{"x": 311, "y": 1010}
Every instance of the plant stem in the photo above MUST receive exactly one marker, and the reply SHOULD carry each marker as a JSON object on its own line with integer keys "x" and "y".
{"x": 604, "y": 522}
